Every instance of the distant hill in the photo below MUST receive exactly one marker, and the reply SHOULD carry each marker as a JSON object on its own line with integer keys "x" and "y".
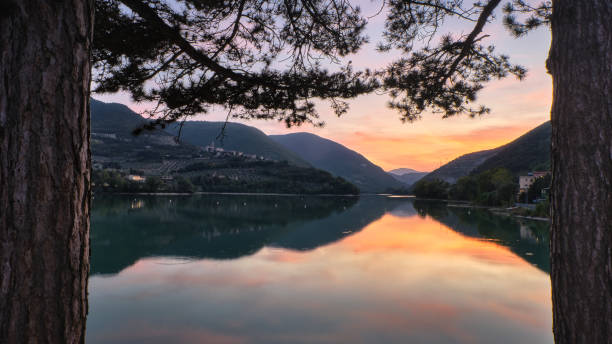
{"x": 158, "y": 153}
{"x": 529, "y": 152}
{"x": 407, "y": 176}
{"x": 461, "y": 166}
{"x": 410, "y": 178}
{"x": 119, "y": 119}
{"x": 112, "y": 139}
{"x": 113, "y": 118}
{"x": 238, "y": 137}
{"x": 340, "y": 161}
{"x": 402, "y": 171}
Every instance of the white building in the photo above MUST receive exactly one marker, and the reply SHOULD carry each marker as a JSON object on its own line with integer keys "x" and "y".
{"x": 135, "y": 178}
{"x": 526, "y": 181}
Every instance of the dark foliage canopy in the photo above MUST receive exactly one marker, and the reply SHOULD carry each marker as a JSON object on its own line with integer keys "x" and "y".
{"x": 187, "y": 55}
{"x": 445, "y": 77}
{"x": 265, "y": 58}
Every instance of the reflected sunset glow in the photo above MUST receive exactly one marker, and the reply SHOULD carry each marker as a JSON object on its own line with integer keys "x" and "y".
{"x": 400, "y": 279}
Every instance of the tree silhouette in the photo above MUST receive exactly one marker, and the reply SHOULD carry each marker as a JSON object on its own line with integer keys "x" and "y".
{"x": 446, "y": 77}
{"x": 262, "y": 59}
{"x": 258, "y": 58}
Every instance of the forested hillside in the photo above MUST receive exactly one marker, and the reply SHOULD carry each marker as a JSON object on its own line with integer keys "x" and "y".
{"x": 529, "y": 152}
{"x": 235, "y": 136}
{"x": 340, "y": 161}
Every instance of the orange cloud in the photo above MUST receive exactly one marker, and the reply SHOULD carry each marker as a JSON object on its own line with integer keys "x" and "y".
{"x": 424, "y": 151}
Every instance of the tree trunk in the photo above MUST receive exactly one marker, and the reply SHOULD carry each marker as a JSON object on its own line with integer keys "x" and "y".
{"x": 44, "y": 169}
{"x": 580, "y": 62}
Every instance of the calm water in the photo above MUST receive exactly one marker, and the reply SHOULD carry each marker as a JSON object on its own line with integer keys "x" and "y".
{"x": 281, "y": 269}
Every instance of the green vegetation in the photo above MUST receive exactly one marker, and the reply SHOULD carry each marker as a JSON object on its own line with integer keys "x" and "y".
{"x": 435, "y": 189}
{"x": 230, "y": 175}
{"x": 117, "y": 182}
{"x": 542, "y": 209}
{"x": 234, "y": 136}
{"x": 495, "y": 187}
{"x": 265, "y": 176}
{"x": 189, "y": 168}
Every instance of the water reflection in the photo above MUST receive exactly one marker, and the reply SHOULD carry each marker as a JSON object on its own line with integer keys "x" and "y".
{"x": 220, "y": 226}
{"x": 528, "y": 239}
{"x": 314, "y": 270}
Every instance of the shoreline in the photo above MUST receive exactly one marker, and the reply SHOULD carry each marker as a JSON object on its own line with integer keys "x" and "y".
{"x": 496, "y": 210}
{"x": 225, "y": 193}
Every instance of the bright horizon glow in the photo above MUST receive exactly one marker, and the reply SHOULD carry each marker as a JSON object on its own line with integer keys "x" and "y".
{"x": 446, "y": 288}
{"x": 375, "y": 131}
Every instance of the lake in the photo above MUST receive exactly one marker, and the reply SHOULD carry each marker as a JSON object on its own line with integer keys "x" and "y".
{"x": 293, "y": 269}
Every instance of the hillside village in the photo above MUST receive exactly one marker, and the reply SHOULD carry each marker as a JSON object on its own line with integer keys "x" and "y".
{"x": 138, "y": 169}
{"x": 157, "y": 161}
{"x": 247, "y": 160}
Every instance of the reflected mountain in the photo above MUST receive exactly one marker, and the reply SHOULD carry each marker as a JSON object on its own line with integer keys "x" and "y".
{"x": 318, "y": 232}
{"x": 404, "y": 208}
{"x": 127, "y": 228}
{"x": 528, "y": 239}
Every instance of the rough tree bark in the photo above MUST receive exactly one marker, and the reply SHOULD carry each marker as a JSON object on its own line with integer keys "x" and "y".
{"x": 580, "y": 62}
{"x": 44, "y": 169}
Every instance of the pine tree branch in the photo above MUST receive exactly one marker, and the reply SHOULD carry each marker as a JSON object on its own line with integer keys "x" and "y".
{"x": 472, "y": 37}
{"x": 148, "y": 14}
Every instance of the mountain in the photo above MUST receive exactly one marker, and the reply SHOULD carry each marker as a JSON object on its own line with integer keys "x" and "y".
{"x": 461, "y": 166}
{"x": 340, "y": 161}
{"x": 527, "y": 153}
{"x": 113, "y": 118}
{"x": 530, "y": 151}
{"x": 112, "y": 140}
{"x": 158, "y": 153}
{"x": 402, "y": 171}
{"x": 407, "y": 176}
{"x": 238, "y": 137}
{"x": 410, "y": 178}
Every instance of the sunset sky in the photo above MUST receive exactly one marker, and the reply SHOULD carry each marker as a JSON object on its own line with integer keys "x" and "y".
{"x": 375, "y": 131}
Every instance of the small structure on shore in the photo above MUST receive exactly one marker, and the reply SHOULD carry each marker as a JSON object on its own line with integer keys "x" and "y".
{"x": 526, "y": 181}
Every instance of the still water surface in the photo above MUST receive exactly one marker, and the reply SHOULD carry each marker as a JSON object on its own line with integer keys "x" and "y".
{"x": 289, "y": 269}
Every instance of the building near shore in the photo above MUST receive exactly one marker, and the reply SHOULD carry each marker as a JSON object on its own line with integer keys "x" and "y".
{"x": 526, "y": 181}
{"x": 135, "y": 178}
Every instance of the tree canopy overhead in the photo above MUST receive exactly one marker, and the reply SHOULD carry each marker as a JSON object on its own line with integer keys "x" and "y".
{"x": 443, "y": 71}
{"x": 263, "y": 58}
{"x": 187, "y": 55}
